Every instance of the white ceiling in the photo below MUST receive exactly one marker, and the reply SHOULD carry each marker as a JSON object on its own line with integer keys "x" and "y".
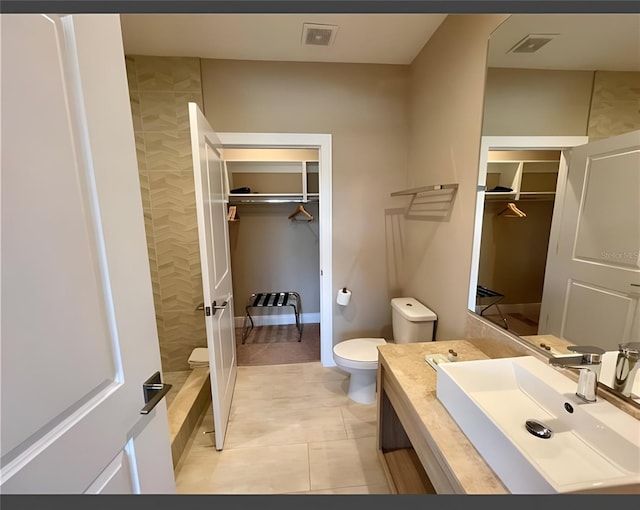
{"x": 585, "y": 41}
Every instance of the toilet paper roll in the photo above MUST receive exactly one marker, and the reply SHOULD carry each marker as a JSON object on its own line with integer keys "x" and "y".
{"x": 344, "y": 296}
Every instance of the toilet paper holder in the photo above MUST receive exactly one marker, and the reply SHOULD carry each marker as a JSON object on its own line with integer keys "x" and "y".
{"x": 343, "y": 297}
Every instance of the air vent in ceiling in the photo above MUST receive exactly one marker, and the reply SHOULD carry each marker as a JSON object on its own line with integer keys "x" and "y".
{"x": 532, "y": 43}
{"x": 318, "y": 35}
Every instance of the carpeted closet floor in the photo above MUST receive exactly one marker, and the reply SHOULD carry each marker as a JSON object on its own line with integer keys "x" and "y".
{"x": 275, "y": 345}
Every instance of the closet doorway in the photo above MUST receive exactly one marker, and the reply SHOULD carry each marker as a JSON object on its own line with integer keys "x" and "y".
{"x": 280, "y": 242}
{"x": 521, "y": 185}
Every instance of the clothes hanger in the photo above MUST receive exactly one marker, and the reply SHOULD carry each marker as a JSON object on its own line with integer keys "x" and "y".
{"x": 301, "y": 210}
{"x": 511, "y": 211}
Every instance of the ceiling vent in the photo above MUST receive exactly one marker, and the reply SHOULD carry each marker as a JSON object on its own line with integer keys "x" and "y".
{"x": 532, "y": 43}
{"x": 318, "y": 35}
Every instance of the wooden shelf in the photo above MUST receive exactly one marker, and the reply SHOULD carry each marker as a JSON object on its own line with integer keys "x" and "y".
{"x": 407, "y": 472}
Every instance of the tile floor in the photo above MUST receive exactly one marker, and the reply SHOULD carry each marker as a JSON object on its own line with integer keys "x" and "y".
{"x": 292, "y": 429}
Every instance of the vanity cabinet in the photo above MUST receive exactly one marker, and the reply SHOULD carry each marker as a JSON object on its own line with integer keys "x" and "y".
{"x": 529, "y": 174}
{"x": 282, "y": 176}
{"x": 420, "y": 446}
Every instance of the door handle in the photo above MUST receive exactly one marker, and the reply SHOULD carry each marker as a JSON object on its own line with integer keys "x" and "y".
{"x": 153, "y": 390}
{"x": 207, "y": 309}
{"x": 219, "y": 307}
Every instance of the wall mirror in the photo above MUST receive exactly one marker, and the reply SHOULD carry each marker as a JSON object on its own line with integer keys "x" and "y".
{"x": 562, "y": 89}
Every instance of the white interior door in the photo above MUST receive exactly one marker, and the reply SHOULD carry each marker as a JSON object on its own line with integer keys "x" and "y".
{"x": 211, "y": 204}
{"x": 592, "y": 284}
{"x": 78, "y": 327}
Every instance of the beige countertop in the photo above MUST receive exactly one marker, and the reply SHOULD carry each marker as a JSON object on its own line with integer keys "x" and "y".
{"x": 406, "y": 366}
{"x": 414, "y": 388}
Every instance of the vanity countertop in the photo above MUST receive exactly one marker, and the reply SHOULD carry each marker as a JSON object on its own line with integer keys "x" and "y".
{"x": 404, "y": 365}
{"x": 409, "y": 383}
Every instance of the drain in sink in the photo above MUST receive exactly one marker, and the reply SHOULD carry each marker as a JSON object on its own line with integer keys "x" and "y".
{"x": 538, "y": 429}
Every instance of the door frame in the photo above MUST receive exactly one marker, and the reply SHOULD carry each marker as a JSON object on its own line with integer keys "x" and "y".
{"x": 322, "y": 142}
{"x": 488, "y": 143}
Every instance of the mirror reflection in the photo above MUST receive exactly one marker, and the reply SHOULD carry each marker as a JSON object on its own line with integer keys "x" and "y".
{"x": 557, "y": 231}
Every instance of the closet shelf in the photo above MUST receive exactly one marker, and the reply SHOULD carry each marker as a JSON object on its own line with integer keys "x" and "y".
{"x": 496, "y": 196}
{"x": 272, "y": 198}
{"x": 424, "y": 189}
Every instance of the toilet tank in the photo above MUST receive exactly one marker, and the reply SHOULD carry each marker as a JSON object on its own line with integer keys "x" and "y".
{"x": 412, "y": 321}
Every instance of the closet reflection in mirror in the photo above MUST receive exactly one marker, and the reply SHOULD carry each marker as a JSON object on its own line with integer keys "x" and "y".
{"x": 519, "y": 200}
{"x": 583, "y": 83}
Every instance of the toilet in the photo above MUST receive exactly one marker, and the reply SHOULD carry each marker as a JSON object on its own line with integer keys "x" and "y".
{"x": 412, "y": 322}
{"x": 199, "y": 358}
{"x": 359, "y": 357}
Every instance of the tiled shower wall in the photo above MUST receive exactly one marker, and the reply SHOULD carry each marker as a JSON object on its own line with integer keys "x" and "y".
{"x": 160, "y": 88}
{"x": 615, "y": 106}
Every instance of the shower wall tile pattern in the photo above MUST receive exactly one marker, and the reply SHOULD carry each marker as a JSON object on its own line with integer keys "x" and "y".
{"x": 615, "y": 105}
{"x": 160, "y": 88}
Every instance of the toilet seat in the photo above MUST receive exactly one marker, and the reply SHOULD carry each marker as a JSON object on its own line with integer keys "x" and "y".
{"x": 358, "y": 353}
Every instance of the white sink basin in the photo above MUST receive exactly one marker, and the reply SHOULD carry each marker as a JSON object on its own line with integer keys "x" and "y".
{"x": 593, "y": 447}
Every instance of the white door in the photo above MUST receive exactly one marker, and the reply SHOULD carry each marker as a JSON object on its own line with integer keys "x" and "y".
{"x": 211, "y": 204}
{"x": 78, "y": 328}
{"x": 592, "y": 284}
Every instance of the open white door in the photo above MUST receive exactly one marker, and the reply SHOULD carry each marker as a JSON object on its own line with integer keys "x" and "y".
{"x": 211, "y": 203}
{"x": 78, "y": 329}
{"x": 592, "y": 285}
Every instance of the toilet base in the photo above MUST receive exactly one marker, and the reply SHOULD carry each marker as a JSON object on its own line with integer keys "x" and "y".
{"x": 362, "y": 386}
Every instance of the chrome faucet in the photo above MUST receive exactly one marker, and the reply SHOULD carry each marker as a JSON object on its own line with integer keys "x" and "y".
{"x": 589, "y": 360}
{"x": 626, "y": 367}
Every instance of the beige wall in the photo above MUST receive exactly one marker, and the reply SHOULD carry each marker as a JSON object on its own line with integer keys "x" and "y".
{"x": 446, "y": 98}
{"x": 160, "y": 88}
{"x": 269, "y": 252}
{"x": 532, "y": 102}
{"x": 364, "y": 108}
{"x": 536, "y": 102}
{"x": 514, "y": 251}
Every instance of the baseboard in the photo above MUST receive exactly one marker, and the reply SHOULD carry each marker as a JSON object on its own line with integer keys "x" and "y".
{"x": 279, "y": 319}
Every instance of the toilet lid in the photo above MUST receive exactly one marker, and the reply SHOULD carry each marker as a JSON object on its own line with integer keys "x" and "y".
{"x": 199, "y": 355}
{"x": 359, "y": 349}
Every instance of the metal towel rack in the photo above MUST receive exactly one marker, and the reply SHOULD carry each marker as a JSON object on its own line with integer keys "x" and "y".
{"x": 433, "y": 201}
